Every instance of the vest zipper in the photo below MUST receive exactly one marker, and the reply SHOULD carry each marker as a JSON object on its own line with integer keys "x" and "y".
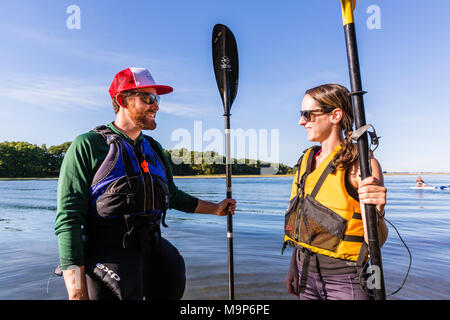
{"x": 142, "y": 176}
{"x": 151, "y": 181}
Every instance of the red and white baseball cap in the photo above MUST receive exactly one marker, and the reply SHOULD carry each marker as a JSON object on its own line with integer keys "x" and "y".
{"x": 135, "y": 78}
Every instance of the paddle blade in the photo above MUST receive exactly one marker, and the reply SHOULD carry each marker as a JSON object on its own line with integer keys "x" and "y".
{"x": 226, "y": 64}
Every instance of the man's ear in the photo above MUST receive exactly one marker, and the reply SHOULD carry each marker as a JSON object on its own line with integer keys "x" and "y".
{"x": 120, "y": 100}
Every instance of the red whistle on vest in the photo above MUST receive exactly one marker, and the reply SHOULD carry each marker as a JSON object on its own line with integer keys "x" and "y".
{"x": 144, "y": 165}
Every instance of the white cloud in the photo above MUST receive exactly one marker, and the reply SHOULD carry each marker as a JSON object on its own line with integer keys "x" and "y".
{"x": 77, "y": 48}
{"x": 59, "y": 92}
{"x": 53, "y": 93}
{"x": 181, "y": 109}
{"x": 40, "y": 36}
{"x": 63, "y": 94}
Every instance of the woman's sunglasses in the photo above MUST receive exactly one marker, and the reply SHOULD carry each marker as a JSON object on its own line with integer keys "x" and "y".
{"x": 148, "y": 98}
{"x": 307, "y": 114}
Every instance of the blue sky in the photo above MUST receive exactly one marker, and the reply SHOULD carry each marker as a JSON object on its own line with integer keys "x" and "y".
{"x": 54, "y": 80}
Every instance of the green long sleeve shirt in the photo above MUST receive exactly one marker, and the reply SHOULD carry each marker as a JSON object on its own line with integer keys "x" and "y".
{"x": 82, "y": 160}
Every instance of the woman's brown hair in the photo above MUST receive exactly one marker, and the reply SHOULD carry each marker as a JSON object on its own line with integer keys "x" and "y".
{"x": 337, "y": 96}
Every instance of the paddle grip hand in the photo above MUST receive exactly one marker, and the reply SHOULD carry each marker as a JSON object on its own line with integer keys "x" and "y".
{"x": 372, "y": 191}
{"x": 218, "y": 209}
{"x": 225, "y": 206}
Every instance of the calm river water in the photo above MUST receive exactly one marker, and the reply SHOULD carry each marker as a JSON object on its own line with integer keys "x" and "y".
{"x": 28, "y": 251}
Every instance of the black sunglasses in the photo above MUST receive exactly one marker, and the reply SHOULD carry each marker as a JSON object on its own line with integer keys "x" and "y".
{"x": 307, "y": 114}
{"x": 148, "y": 97}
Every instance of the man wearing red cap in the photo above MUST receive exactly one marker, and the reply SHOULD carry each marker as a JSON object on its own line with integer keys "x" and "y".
{"x": 114, "y": 189}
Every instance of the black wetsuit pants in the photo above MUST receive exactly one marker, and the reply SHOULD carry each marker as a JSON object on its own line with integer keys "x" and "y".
{"x": 129, "y": 274}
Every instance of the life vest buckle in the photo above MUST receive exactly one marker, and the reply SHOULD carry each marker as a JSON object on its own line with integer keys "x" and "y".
{"x": 130, "y": 198}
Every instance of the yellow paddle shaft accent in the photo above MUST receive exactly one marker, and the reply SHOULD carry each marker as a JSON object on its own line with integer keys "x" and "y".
{"x": 347, "y": 11}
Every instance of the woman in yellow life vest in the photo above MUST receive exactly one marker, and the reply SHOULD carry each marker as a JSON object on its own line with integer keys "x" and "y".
{"x": 325, "y": 222}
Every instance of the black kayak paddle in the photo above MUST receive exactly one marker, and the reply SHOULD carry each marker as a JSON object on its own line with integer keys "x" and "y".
{"x": 363, "y": 145}
{"x": 226, "y": 70}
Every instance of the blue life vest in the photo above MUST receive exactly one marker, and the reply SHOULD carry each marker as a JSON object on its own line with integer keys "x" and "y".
{"x": 131, "y": 182}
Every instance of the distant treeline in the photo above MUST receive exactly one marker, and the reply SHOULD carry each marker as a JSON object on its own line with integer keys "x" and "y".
{"x": 187, "y": 163}
{"x": 24, "y": 160}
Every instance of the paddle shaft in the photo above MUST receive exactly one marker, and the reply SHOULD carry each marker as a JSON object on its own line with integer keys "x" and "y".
{"x": 229, "y": 216}
{"x": 363, "y": 154}
{"x": 227, "y": 106}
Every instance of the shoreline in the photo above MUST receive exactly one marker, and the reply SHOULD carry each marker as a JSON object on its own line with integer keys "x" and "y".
{"x": 414, "y": 173}
{"x": 292, "y": 175}
{"x": 218, "y": 176}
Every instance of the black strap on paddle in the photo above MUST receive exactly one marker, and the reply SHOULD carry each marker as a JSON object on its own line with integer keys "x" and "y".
{"x": 226, "y": 70}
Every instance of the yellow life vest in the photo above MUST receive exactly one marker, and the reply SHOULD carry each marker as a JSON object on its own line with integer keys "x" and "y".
{"x": 322, "y": 216}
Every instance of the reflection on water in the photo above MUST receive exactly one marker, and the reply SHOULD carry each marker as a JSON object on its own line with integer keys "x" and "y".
{"x": 28, "y": 254}
{"x": 18, "y": 206}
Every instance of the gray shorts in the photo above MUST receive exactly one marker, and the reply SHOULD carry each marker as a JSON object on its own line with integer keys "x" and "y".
{"x": 333, "y": 287}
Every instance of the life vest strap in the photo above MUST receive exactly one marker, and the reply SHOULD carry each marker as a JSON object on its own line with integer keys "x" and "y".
{"x": 144, "y": 231}
{"x": 361, "y": 263}
{"x": 362, "y": 256}
{"x": 305, "y": 268}
{"x": 328, "y": 170}
{"x": 114, "y": 140}
{"x": 357, "y": 215}
{"x": 350, "y": 238}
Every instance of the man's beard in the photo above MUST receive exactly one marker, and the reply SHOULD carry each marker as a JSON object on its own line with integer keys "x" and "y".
{"x": 140, "y": 119}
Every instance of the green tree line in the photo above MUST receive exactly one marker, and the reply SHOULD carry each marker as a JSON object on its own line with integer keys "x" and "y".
{"x": 25, "y": 160}
{"x": 186, "y": 162}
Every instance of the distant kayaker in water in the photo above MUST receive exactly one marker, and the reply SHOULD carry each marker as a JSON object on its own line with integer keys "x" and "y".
{"x": 325, "y": 221}
{"x": 420, "y": 183}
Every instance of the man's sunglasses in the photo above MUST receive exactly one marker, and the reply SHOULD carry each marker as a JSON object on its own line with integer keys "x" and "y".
{"x": 148, "y": 98}
{"x": 307, "y": 114}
